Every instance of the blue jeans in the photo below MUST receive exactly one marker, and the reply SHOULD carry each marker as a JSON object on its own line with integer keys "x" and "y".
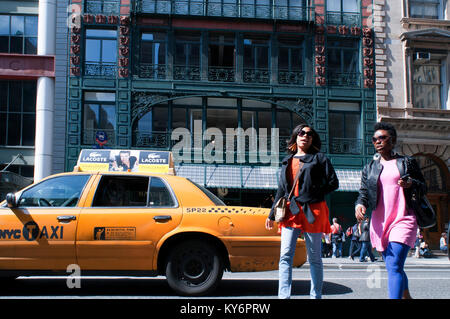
{"x": 395, "y": 257}
{"x": 337, "y": 248}
{"x": 313, "y": 247}
{"x": 366, "y": 250}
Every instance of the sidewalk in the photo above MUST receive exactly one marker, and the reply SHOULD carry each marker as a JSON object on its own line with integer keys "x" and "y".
{"x": 440, "y": 261}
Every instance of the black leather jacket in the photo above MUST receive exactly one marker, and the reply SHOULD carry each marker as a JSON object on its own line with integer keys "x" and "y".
{"x": 368, "y": 193}
{"x": 317, "y": 179}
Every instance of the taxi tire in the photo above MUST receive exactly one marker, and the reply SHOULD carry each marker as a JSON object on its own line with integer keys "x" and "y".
{"x": 194, "y": 268}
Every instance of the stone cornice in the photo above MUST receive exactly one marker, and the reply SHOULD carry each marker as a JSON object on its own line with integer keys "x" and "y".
{"x": 408, "y": 22}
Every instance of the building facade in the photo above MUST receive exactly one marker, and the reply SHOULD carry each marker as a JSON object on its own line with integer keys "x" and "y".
{"x": 222, "y": 84}
{"x": 412, "y": 56}
{"x": 20, "y": 67}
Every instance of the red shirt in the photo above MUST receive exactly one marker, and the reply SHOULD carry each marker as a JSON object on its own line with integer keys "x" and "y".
{"x": 319, "y": 210}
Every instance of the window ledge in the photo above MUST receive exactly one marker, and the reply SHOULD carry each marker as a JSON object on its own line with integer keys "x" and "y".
{"x": 439, "y": 23}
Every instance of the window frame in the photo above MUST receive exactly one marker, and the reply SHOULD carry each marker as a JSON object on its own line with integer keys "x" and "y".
{"x": 106, "y": 69}
{"x": 158, "y": 71}
{"x": 147, "y": 204}
{"x": 423, "y": 5}
{"x": 441, "y": 64}
{"x": 21, "y": 112}
{"x": 99, "y": 103}
{"x": 24, "y": 34}
{"x": 342, "y": 64}
{"x": 290, "y": 69}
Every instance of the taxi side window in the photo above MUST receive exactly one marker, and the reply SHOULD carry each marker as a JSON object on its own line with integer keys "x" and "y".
{"x": 122, "y": 191}
{"x": 159, "y": 195}
{"x": 62, "y": 191}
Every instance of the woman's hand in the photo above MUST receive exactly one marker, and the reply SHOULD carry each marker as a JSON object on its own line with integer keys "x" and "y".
{"x": 405, "y": 183}
{"x": 360, "y": 212}
{"x": 269, "y": 224}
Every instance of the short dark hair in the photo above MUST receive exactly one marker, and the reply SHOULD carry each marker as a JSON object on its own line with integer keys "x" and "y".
{"x": 316, "y": 142}
{"x": 387, "y": 127}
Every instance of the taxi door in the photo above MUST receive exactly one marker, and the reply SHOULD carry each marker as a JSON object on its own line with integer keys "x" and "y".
{"x": 39, "y": 234}
{"x": 123, "y": 222}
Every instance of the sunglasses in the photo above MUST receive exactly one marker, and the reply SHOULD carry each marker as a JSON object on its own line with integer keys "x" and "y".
{"x": 379, "y": 138}
{"x": 303, "y": 133}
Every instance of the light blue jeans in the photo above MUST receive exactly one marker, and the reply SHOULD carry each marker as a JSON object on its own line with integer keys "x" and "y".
{"x": 313, "y": 248}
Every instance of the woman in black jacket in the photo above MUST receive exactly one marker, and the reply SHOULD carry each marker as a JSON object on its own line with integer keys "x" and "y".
{"x": 307, "y": 210}
{"x": 386, "y": 188}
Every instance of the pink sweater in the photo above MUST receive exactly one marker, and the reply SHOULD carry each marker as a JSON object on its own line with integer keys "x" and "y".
{"x": 391, "y": 220}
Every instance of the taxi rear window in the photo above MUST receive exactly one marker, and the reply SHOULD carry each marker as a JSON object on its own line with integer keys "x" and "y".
{"x": 216, "y": 200}
{"x": 132, "y": 191}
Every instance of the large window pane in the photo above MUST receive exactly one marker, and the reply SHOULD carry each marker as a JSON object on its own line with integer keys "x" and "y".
{"x": 30, "y": 46}
{"x": 93, "y": 50}
{"x": 17, "y": 25}
{"x": 222, "y": 119}
{"x": 14, "y": 128}
{"x": 28, "y": 129}
{"x": 427, "y": 85}
{"x": 31, "y": 25}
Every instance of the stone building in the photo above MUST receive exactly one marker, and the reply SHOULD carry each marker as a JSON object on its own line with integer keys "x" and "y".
{"x": 412, "y": 57}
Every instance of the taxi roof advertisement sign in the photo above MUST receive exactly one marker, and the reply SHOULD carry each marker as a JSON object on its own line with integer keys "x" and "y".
{"x": 126, "y": 161}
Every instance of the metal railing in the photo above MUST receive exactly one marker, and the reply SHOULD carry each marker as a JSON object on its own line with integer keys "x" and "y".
{"x": 100, "y": 69}
{"x": 350, "y": 79}
{"x": 343, "y": 18}
{"x": 291, "y": 77}
{"x": 102, "y": 7}
{"x": 225, "y": 9}
{"x": 345, "y": 146}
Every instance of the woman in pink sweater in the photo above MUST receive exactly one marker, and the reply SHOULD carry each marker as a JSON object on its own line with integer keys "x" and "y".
{"x": 386, "y": 185}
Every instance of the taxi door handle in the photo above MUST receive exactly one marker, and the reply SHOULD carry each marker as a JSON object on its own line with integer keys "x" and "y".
{"x": 162, "y": 218}
{"x": 66, "y": 218}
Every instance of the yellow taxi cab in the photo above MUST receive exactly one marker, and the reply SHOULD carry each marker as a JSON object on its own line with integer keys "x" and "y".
{"x": 110, "y": 218}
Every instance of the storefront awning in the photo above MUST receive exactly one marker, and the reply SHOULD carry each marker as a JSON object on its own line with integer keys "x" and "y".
{"x": 252, "y": 177}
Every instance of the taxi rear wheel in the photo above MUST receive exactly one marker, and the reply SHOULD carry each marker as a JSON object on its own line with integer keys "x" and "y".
{"x": 194, "y": 268}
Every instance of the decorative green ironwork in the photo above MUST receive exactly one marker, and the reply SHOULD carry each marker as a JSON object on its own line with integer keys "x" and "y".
{"x": 221, "y": 74}
{"x": 348, "y": 79}
{"x": 152, "y": 71}
{"x": 345, "y": 146}
{"x": 103, "y": 7}
{"x": 256, "y": 75}
{"x": 291, "y": 77}
{"x": 229, "y": 9}
{"x": 302, "y": 106}
{"x": 186, "y": 72}
{"x": 343, "y": 18}
{"x": 100, "y": 69}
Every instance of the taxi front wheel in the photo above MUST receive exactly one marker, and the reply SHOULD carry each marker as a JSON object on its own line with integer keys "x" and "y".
{"x": 194, "y": 268}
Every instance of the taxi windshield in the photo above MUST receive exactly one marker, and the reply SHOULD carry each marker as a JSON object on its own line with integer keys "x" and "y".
{"x": 216, "y": 200}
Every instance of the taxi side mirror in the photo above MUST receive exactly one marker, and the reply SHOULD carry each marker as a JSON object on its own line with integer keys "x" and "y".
{"x": 11, "y": 200}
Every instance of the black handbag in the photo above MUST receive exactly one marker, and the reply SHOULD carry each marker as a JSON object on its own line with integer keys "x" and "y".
{"x": 425, "y": 214}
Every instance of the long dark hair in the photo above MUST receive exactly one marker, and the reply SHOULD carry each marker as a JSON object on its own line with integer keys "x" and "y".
{"x": 292, "y": 142}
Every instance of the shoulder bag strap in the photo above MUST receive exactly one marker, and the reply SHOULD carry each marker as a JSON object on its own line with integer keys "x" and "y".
{"x": 300, "y": 166}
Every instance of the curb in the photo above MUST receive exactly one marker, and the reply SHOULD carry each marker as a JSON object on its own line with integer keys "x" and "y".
{"x": 439, "y": 264}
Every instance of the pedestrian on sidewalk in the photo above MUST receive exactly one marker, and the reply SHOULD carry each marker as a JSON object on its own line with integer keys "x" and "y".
{"x": 336, "y": 238}
{"x": 307, "y": 210}
{"x": 443, "y": 246}
{"x": 355, "y": 245}
{"x": 364, "y": 238}
{"x": 386, "y": 184}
